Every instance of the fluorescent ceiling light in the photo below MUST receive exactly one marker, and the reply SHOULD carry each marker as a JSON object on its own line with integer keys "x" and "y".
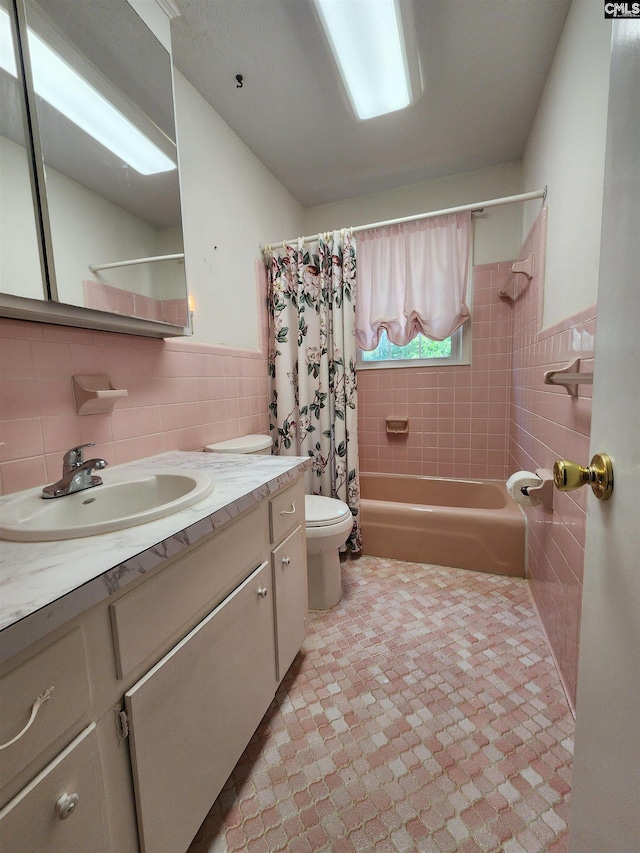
{"x": 68, "y": 92}
{"x": 367, "y": 41}
{"x": 7, "y": 58}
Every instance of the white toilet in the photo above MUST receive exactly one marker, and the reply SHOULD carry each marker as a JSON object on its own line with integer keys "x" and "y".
{"x": 328, "y": 523}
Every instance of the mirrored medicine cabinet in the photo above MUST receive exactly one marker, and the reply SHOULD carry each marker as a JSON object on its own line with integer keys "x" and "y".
{"x": 90, "y": 217}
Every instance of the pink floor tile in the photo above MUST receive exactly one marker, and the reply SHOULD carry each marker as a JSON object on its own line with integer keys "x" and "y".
{"x": 423, "y": 714}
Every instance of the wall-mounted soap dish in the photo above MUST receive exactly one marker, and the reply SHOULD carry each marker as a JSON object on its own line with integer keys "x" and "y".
{"x": 397, "y": 426}
{"x": 94, "y": 394}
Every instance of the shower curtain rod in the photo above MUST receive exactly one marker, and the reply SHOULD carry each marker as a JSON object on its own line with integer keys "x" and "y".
{"x": 476, "y": 207}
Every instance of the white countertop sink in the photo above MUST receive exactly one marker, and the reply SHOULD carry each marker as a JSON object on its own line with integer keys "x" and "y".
{"x": 46, "y": 583}
{"x": 125, "y": 499}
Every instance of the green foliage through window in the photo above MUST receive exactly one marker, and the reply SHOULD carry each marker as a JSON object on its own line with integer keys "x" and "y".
{"x": 419, "y": 348}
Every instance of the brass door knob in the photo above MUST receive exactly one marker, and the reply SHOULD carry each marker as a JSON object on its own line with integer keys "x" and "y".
{"x": 599, "y": 475}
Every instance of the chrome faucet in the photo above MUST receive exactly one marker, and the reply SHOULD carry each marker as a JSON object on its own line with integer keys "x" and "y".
{"x": 76, "y": 474}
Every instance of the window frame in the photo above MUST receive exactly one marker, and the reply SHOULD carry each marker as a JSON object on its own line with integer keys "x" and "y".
{"x": 460, "y": 355}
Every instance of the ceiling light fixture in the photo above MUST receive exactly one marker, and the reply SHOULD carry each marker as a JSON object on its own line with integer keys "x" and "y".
{"x": 7, "y": 58}
{"x": 68, "y": 92}
{"x": 373, "y": 43}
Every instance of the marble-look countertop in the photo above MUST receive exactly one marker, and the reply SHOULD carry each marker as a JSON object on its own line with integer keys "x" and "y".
{"x": 44, "y": 584}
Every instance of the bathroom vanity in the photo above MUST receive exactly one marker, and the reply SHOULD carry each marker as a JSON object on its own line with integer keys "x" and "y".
{"x": 158, "y": 663}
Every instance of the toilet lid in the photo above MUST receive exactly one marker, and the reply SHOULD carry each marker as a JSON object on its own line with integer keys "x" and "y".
{"x": 320, "y": 511}
{"x": 242, "y": 444}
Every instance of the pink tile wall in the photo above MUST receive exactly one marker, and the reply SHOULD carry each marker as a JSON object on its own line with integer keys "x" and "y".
{"x": 115, "y": 300}
{"x": 547, "y": 424}
{"x": 174, "y": 311}
{"x": 458, "y": 416}
{"x": 104, "y": 297}
{"x": 181, "y": 396}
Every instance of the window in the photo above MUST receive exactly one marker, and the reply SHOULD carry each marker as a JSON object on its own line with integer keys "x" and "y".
{"x": 419, "y": 352}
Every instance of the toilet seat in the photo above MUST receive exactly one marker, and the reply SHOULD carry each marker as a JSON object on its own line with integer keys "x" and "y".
{"x": 323, "y": 512}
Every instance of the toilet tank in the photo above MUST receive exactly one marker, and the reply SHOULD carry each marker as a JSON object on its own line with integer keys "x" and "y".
{"x": 256, "y": 444}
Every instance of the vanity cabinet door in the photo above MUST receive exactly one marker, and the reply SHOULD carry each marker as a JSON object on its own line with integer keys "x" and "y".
{"x": 289, "y": 561}
{"x": 192, "y": 715}
{"x": 61, "y": 810}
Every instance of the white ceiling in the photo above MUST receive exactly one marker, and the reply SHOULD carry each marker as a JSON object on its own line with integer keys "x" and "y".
{"x": 485, "y": 63}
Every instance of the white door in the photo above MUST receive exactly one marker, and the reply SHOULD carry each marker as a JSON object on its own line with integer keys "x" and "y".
{"x": 605, "y": 815}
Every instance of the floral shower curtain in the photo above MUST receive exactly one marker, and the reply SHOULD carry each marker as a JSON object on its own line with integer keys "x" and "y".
{"x": 312, "y": 363}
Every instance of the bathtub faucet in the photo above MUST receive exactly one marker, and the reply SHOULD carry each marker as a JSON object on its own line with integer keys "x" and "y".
{"x": 76, "y": 474}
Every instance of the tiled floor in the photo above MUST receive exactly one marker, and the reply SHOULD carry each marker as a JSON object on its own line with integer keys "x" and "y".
{"x": 425, "y": 714}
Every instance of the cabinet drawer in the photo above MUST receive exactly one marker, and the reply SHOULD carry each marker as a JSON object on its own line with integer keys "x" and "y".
{"x": 60, "y": 666}
{"x": 34, "y": 820}
{"x": 286, "y": 511}
{"x": 289, "y": 561}
{"x": 192, "y": 715}
{"x": 146, "y": 618}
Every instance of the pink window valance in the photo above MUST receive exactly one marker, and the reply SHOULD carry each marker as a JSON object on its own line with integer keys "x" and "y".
{"x": 413, "y": 278}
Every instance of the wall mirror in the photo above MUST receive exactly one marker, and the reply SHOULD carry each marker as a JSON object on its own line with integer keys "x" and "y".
{"x": 99, "y": 87}
{"x": 21, "y": 272}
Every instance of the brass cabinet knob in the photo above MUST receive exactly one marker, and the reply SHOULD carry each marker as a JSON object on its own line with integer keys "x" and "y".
{"x": 599, "y": 475}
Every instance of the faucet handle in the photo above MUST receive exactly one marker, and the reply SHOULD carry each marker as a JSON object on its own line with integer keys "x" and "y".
{"x": 74, "y": 457}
